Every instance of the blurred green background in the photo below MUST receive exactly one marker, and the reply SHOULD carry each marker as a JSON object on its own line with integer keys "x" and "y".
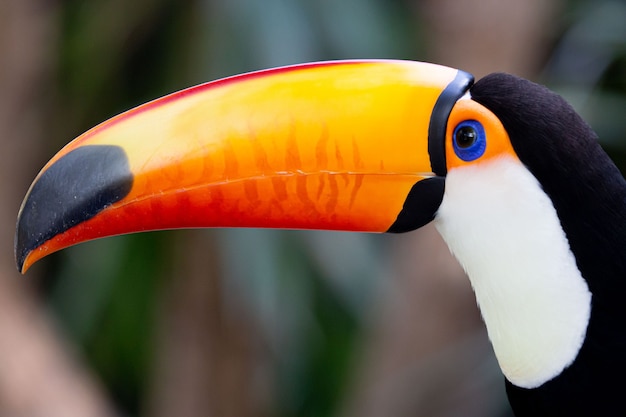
{"x": 259, "y": 322}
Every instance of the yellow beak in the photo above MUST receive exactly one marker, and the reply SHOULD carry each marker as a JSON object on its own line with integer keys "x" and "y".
{"x": 332, "y": 145}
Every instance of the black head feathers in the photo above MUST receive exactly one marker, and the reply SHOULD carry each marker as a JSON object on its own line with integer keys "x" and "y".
{"x": 563, "y": 153}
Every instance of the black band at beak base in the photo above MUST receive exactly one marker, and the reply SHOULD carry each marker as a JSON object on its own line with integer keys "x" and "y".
{"x": 423, "y": 200}
{"x": 439, "y": 120}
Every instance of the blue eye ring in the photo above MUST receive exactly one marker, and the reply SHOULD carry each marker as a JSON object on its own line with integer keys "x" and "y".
{"x": 469, "y": 140}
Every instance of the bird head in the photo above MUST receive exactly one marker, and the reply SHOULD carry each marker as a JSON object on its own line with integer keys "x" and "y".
{"x": 354, "y": 145}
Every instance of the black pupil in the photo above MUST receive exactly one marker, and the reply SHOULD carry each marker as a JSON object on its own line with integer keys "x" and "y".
{"x": 466, "y": 136}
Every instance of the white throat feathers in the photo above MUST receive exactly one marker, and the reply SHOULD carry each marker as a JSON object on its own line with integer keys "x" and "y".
{"x": 505, "y": 232}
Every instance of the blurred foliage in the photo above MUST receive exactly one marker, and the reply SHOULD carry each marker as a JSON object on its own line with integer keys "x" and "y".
{"x": 105, "y": 295}
{"x": 588, "y": 67}
{"x": 116, "y": 54}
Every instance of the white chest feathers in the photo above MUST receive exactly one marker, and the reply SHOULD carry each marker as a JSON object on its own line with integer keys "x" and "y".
{"x": 504, "y": 230}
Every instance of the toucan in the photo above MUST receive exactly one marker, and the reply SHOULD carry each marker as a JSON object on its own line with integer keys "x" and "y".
{"x": 513, "y": 178}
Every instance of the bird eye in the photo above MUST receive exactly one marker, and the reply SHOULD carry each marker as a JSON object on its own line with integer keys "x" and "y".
{"x": 469, "y": 140}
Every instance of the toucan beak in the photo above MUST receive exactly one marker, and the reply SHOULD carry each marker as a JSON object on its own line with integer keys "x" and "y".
{"x": 353, "y": 145}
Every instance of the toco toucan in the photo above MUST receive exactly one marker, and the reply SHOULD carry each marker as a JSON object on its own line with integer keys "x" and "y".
{"x": 514, "y": 180}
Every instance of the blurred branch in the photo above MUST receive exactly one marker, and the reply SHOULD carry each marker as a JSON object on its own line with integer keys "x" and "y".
{"x": 37, "y": 375}
{"x": 485, "y": 36}
{"x": 210, "y": 355}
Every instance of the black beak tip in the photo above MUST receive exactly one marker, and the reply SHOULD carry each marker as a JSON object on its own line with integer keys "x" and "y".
{"x": 19, "y": 252}
{"x": 74, "y": 189}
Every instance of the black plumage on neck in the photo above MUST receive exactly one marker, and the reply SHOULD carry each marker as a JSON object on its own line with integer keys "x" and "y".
{"x": 589, "y": 194}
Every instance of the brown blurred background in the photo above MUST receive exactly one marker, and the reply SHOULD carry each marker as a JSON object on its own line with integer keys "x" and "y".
{"x": 247, "y": 322}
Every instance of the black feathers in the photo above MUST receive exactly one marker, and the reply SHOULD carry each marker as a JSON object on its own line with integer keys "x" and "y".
{"x": 589, "y": 194}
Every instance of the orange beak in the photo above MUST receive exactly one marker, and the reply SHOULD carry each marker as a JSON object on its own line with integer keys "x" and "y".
{"x": 354, "y": 145}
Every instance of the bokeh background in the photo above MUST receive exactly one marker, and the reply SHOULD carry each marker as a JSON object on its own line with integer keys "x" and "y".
{"x": 256, "y": 322}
